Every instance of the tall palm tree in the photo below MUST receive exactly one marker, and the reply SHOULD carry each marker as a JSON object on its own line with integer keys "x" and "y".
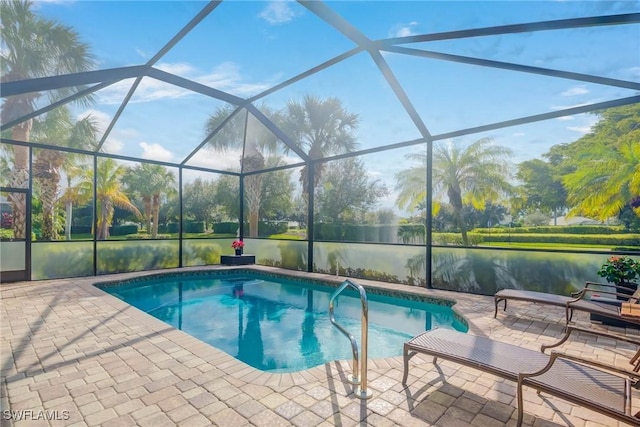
{"x": 59, "y": 128}
{"x": 471, "y": 176}
{"x": 33, "y": 47}
{"x": 163, "y": 184}
{"x": 109, "y": 192}
{"x": 139, "y": 181}
{"x": 257, "y": 141}
{"x": 607, "y": 178}
{"x": 321, "y": 127}
{"x": 76, "y": 193}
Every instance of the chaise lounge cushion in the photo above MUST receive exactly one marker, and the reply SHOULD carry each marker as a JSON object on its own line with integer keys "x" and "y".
{"x": 605, "y": 390}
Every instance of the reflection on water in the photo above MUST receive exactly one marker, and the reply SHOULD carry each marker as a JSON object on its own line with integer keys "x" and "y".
{"x": 281, "y": 327}
{"x": 487, "y": 271}
{"x": 475, "y": 270}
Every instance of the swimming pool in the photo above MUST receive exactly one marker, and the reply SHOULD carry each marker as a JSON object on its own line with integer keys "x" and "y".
{"x": 275, "y": 323}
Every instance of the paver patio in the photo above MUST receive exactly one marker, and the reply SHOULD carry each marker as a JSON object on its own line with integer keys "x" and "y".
{"x": 72, "y": 352}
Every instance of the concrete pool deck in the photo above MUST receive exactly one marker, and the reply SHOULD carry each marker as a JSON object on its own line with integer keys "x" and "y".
{"x": 70, "y": 351}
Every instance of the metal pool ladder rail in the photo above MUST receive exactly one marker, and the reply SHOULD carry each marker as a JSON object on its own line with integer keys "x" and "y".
{"x": 361, "y": 391}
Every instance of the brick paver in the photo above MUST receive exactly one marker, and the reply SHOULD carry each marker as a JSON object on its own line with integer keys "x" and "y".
{"x": 67, "y": 346}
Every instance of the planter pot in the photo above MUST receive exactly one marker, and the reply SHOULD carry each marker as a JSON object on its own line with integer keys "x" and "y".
{"x": 630, "y": 289}
{"x": 238, "y": 252}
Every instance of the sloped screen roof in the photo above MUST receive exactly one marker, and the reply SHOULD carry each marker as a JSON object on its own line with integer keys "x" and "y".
{"x": 177, "y": 81}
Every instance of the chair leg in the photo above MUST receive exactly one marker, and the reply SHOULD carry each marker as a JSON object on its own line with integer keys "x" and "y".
{"x": 496, "y": 302}
{"x": 520, "y": 406}
{"x": 405, "y": 354}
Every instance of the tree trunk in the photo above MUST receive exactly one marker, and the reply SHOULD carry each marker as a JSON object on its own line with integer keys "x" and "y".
{"x": 103, "y": 226}
{"x": 253, "y": 197}
{"x": 68, "y": 205}
{"x": 455, "y": 199}
{"x": 20, "y": 179}
{"x": 156, "y": 214}
{"x": 46, "y": 170}
{"x": 148, "y": 212}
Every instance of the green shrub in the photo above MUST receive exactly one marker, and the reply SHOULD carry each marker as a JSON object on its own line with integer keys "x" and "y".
{"x": 194, "y": 227}
{"x": 354, "y": 233}
{"x": 81, "y": 229}
{"x": 119, "y": 257}
{"x": 267, "y": 228}
{"x": 412, "y": 233}
{"x": 560, "y": 229}
{"x": 123, "y": 230}
{"x": 599, "y": 239}
{"x": 172, "y": 227}
{"x": 225, "y": 227}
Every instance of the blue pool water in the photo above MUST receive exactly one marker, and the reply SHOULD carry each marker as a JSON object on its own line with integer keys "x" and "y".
{"x": 277, "y": 324}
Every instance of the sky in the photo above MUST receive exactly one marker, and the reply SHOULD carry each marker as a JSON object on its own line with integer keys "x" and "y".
{"x": 244, "y": 48}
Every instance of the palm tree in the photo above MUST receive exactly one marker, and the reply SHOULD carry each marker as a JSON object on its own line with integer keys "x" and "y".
{"x": 33, "y": 47}
{"x": 76, "y": 193}
{"x": 139, "y": 181}
{"x": 58, "y": 126}
{"x": 470, "y": 176}
{"x": 109, "y": 193}
{"x": 164, "y": 183}
{"x": 606, "y": 179}
{"x": 321, "y": 128}
{"x": 258, "y": 142}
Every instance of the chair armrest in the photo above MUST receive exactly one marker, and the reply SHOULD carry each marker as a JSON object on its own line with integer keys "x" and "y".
{"x": 586, "y": 291}
{"x": 612, "y": 287}
{"x": 588, "y": 362}
{"x": 607, "y": 334}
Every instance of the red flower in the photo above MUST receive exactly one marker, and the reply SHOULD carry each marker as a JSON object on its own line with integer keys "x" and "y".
{"x": 237, "y": 244}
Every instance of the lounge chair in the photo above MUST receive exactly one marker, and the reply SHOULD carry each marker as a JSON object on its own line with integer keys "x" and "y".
{"x": 592, "y": 384}
{"x": 607, "y": 307}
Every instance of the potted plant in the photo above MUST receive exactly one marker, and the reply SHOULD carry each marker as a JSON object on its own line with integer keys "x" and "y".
{"x": 238, "y": 245}
{"x": 622, "y": 271}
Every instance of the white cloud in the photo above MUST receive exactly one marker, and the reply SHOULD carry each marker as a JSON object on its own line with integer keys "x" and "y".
{"x": 278, "y": 12}
{"x": 115, "y": 141}
{"x": 114, "y": 94}
{"x": 586, "y": 125}
{"x": 152, "y": 90}
{"x": 403, "y": 30}
{"x": 565, "y": 107}
{"x": 112, "y": 146}
{"x": 228, "y": 161}
{"x": 576, "y": 90}
{"x": 226, "y": 77}
{"x": 155, "y": 152}
{"x": 518, "y": 134}
{"x": 179, "y": 68}
{"x": 580, "y": 129}
{"x": 143, "y": 54}
{"x": 564, "y": 118}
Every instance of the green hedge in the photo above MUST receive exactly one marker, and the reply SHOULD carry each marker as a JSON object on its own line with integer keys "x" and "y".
{"x": 225, "y": 227}
{"x": 125, "y": 257}
{"x": 613, "y": 239}
{"x": 560, "y": 229}
{"x": 80, "y": 229}
{"x": 267, "y": 228}
{"x": 194, "y": 227}
{"x": 123, "y": 230}
{"x": 377, "y": 233}
{"x": 172, "y": 227}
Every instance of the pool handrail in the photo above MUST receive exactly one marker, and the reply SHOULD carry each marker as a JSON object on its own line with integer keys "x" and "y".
{"x": 361, "y": 380}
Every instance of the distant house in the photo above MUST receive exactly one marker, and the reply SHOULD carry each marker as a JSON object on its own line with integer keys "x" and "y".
{"x": 575, "y": 220}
